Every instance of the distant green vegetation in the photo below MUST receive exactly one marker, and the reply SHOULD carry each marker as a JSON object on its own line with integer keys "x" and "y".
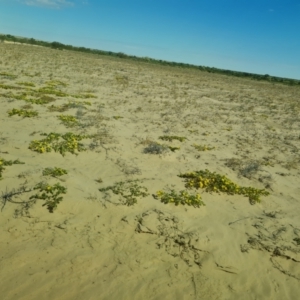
{"x": 22, "y": 112}
{"x": 60, "y": 46}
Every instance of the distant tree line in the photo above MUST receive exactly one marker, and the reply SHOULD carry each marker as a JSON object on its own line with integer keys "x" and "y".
{"x": 60, "y": 46}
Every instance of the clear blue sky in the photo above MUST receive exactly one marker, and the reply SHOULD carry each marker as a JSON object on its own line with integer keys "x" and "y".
{"x": 256, "y": 36}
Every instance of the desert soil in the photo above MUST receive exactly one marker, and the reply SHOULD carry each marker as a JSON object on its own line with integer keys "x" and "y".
{"x": 96, "y": 244}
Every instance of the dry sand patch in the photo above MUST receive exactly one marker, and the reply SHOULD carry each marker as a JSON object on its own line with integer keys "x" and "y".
{"x": 94, "y": 247}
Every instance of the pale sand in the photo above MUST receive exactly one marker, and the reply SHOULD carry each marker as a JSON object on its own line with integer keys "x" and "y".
{"x": 90, "y": 248}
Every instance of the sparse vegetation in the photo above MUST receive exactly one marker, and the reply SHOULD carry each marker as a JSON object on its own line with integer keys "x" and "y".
{"x": 124, "y": 79}
{"x": 250, "y": 131}
{"x": 23, "y": 113}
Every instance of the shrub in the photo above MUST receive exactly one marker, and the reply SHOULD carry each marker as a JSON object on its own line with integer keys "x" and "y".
{"x": 155, "y": 148}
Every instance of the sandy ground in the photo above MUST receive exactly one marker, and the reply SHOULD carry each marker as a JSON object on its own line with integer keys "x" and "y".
{"x": 93, "y": 246}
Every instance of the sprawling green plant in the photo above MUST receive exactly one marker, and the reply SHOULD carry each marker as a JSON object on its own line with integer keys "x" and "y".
{"x": 9, "y": 87}
{"x": 202, "y": 147}
{"x": 170, "y": 138}
{"x": 51, "y": 194}
{"x": 22, "y": 112}
{"x": 173, "y": 149}
{"x": 25, "y": 83}
{"x": 54, "y": 172}
{"x": 129, "y": 191}
{"x": 30, "y": 96}
{"x": 49, "y": 90}
{"x": 83, "y": 96}
{"x": 4, "y": 163}
{"x": 213, "y": 182}
{"x": 183, "y": 197}
{"x": 8, "y": 75}
{"x": 55, "y": 83}
{"x": 68, "y": 121}
{"x": 70, "y": 104}
{"x": 118, "y": 117}
{"x": 62, "y": 143}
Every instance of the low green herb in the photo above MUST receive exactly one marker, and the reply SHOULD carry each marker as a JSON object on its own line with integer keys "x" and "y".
{"x": 22, "y": 112}
{"x": 54, "y": 172}
{"x": 213, "y": 182}
{"x": 203, "y": 147}
{"x": 129, "y": 191}
{"x": 183, "y": 197}
{"x": 62, "y": 143}
{"x": 170, "y": 138}
{"x": 4, "y": 163}
{"x": 51, "y": 194}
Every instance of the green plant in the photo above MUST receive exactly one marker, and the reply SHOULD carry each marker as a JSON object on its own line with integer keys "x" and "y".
{"x": 62, "y": 143}
{"x": 27, "y": 106}
{"x": 129, "y": 191}
{"x": 58, "y": 108}
{"x": 27, "y": 96}
{"x": 68, "y": 121}
{"x": 26, "y": 84}
{"x": 170, "y": 138}
{"x": 44, "y": 99}
{"x": 51, "y": 194}
{"x": 70, "y": 104}
{"x": 202, "y": 147}
{"x": 7, "y": 75}
{"x": 49, "y": 90}
{"x": 213, "y": 182}
{"x": 55, "y": 83}
{"x": 78, "y": 104}
{"x": 4, "y": 162}
{"x": 83, "y": 96}
{"x": 9, "y": 87}
{"x": 183, "y": 197}
{"x": 193, "y": 131}
{"x": 117, "y": 117}
{"x": 173, "y": 149}
{"x": 122, "y": 79}
{"x": 22, "y": 112}
{"x": 54, "y": 172}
